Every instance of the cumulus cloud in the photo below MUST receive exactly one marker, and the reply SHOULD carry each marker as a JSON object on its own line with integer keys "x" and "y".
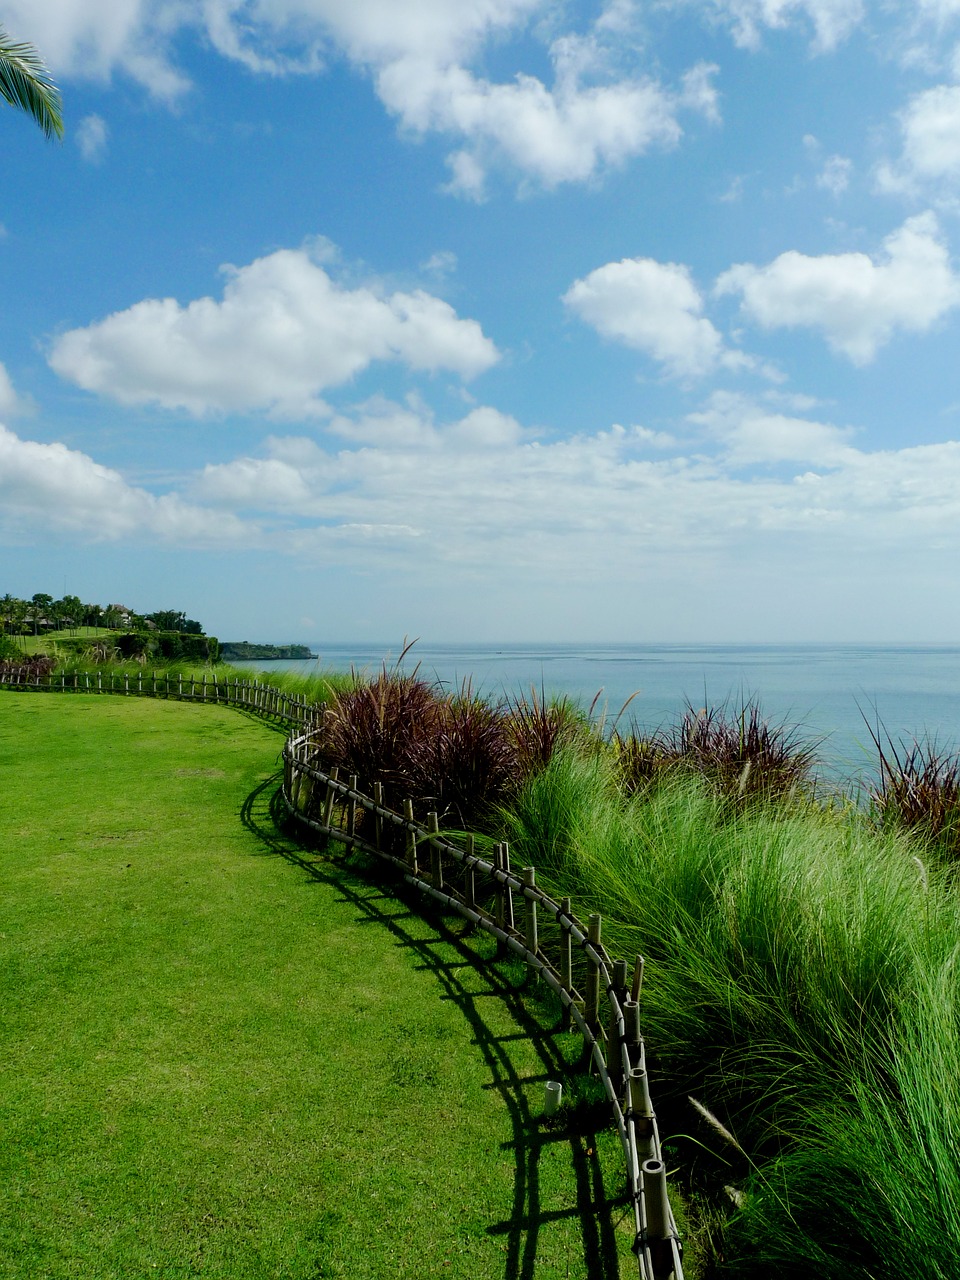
{"x": 930, "y": 142}
{"x": 91, "y": 138}
{"x": 656, "y": 308}
{"x": 599, "y": 111}
{"x": 856, "y": 301}
{"x": 94, "y": 40}
{"x": 754, "y": 432}
{"x": 52, "y": 488}
{"x": 283, "y": 332}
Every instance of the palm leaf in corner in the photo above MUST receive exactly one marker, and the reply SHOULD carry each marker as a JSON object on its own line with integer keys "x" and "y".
{"x": 25, "y": 83}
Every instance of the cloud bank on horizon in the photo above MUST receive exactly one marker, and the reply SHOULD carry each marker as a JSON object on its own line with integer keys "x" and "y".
{"x": 503, "y": 319}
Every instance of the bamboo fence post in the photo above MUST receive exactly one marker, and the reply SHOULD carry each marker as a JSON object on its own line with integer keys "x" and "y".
{"x": 139, "y": 680}
{"x": 529, "y": 877}
{"x": 99, "y": 680}
{"x": 470, "y": 879}
{"x": 566, "y": 950}
{"x": 637, "y": 984}
{"x": 436, "y": 863}
{"x": 656, "y": 1211}
{"x": 126, "y": 684}
{"x": 592, "y": 1009}
{"x": 411, "y": 837}
{"x": 620, "y": 980}
{"x": 508, "y": 897}
{"x": 154, "y": 684}
{"x": 352, "y": 807}
{"x": 180, "y": 684}
{"x": 640, "y": 1109}
{"x": 86, "y": 680}
{"x": 204, "y": 686}
{"x": 378, "y": 817}
{"x": 500, "y": 911}
{"x": 330, "y": 797}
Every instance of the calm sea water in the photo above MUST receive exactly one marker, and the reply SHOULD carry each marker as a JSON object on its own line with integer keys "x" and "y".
{"x": 819, "y": 689}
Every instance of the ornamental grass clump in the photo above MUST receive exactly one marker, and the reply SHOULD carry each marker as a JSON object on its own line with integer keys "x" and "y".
{"x": 540, "y": 727}
{"x": 793, "y": 953}
{"x": 468, "y": 762}
{"x": 379, "y": 730}
{"x": 919, "y": 791}
{"x": 739, "y": 753}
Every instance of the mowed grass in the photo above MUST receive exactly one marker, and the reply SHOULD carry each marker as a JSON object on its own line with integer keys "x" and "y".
{"x": 221, "y": 1056}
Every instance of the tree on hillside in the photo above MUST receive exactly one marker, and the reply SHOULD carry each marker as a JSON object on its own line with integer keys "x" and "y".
{"x": 25, "y": 83}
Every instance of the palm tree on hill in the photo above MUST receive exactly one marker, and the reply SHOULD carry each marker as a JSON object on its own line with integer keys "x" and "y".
{"x": 25, "y": 83}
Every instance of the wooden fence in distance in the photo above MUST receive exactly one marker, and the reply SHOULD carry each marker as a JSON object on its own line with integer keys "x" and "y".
{"x": 261, "y": 698}
{"x": 601, "y": 995}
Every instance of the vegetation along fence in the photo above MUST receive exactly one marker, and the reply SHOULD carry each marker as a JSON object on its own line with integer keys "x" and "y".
{"x": 602, "y": 996}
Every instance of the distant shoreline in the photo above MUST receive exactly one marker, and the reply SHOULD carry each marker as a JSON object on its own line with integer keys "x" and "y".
{"x": 245, "y": 651}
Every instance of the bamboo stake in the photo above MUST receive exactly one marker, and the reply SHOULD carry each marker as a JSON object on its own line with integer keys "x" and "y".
{"x": 352, "y": 807}
{"x": 470, "y": 878}
{"x": 656, "y": 1209}
{"x": 436, "y": 863}
{"x": 566, "y": 951}
{"x": 328, "y": 802}
{"x": 637, "y": 984}
{"x": 592, "y": 1009}
{"x": 529, "y": 878}
{"x": 508, "y": 897}
{"x": 411, "y": 837}
{"x": 377, "y": 817}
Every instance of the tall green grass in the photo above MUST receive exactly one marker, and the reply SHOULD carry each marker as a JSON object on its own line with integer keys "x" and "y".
{"x": 801, "y": 985}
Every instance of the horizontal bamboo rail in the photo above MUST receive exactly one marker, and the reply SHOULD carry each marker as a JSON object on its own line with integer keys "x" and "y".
{"x": 462, "y": 881}
{"x": 292, "y": 710}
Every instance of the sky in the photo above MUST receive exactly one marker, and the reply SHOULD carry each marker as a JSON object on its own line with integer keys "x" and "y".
{"x": 488, "y": 320}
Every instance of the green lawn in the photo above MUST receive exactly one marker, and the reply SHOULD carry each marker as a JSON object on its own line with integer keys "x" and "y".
{"x": 220, "y": 1059}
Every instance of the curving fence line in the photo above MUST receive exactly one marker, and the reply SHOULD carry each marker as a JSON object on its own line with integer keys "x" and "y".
{"x": 600, "y": 995}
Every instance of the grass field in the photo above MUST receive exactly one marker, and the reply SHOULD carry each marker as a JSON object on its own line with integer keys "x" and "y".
{"x": 223, "y": 1057}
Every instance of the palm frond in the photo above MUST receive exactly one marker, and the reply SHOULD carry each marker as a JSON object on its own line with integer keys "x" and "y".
{"x": 26, "y": 83}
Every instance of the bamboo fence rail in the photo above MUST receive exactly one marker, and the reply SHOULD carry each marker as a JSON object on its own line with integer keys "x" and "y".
{"x": 250, "y": 695}
{"x": 602, "y": 996}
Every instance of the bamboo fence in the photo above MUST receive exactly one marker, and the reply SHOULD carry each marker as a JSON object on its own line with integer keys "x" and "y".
{"x": 257, "y": 696}
{"x": 602, "y": 996}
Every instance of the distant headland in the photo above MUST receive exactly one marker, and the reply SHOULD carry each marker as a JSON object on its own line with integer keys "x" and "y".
{"x": 243, "y": 650}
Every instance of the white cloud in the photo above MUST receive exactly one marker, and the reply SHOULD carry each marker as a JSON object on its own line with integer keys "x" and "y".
{"x": 9, "y": 400}
{"x": 567, "y": 133}
{"x": 858, "y": 302}
{"x": 481, "y": 492}
{"x": 48, "y": 488}
{"x": 832, "y": 20}
{"x": 91, "y": 138}
{"x": 930, "y": 135}
{"x": 835, "y": 175}
{"x": 93, "y": 39}
{"x": 283, "y": 332}
{"x": 754, "y": 432}
{"x": 598, "y": 113}
{"x": 654, "y": 307}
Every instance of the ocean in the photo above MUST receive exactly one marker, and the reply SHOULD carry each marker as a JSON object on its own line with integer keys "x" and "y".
{"x": 824, "y": 691}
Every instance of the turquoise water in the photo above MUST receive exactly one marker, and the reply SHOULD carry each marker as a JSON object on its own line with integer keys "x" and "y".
{"x": 819, "y": 689}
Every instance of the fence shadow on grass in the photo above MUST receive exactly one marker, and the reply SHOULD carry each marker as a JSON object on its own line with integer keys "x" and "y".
{"x": 455, "y": 958}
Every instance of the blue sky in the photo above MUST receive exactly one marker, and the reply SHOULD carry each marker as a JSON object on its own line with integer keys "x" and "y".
{"x": 494, "y": 319}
